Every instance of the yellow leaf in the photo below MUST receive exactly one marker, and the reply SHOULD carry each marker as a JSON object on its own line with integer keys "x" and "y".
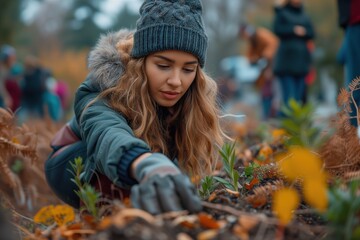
{"x": 63, "y": 214}
{"x": 315, "y": 193}
{"x": 278, "y": 134}
{"x": 285, "y": 201}
{"x": 45, "y": 216}
{"x": 15, "y": 140}
{"x": 300, "y": 163}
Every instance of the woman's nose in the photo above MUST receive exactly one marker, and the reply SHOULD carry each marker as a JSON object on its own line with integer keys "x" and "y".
{"x": 174, "y": 78}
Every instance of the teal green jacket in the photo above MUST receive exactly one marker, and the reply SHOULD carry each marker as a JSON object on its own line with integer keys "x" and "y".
{"x": 111, "y": 143}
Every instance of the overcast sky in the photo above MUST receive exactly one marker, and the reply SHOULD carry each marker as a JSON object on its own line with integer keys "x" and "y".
{"x": 110, "y": 8}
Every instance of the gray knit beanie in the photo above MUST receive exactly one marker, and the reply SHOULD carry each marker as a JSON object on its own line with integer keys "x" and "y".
{"x": 170, "y": 25}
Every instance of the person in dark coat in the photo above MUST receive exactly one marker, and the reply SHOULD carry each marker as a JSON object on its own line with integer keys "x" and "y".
{"x": 12, "y": 85}
{"x": 293, "y": 59}
{"x": 349, "y": 20}
{"x": 32, "y": 87}
{"x": 146, "y": 118}
{"x": 9, "y": 86}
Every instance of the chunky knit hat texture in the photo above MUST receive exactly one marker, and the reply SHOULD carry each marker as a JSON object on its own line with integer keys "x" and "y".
{"x": 170, "y": 25}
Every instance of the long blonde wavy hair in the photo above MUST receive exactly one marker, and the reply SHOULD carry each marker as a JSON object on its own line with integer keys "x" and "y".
{"x": 196, "y": 132}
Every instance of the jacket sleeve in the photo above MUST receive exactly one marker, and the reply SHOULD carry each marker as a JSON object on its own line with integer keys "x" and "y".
{"x": 310, "y": 33}
{"x": 111, "y": 143}
{"x": 282, "y": 27}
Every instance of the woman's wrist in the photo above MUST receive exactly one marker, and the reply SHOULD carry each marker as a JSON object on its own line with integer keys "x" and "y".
{"x": 136, "y": 162}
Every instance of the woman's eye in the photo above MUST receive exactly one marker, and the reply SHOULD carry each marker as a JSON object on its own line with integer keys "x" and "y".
{"x": 163, "y": 66}
{"x": 189, "y": 70}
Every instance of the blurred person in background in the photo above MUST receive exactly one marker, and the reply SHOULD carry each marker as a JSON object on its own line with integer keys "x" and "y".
{"x": 146, "y": 118}
{"x": 293, "y": 58}
{"x": 262, "y": 45}
{"x": 341, "y": 59}
{"x": 12, "y": 85}
{"x": 61, "y": 89}
{"x": 228, "y": 90}
{"x": 32, "y": 87}
{"x": 51, "y": 100}
{"x": 311, "y": 76}
{"x": 349, "y": 20}
{"x": 9, "y": 78}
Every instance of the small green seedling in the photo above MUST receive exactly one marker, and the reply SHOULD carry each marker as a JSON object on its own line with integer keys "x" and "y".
{"x": 228, "y": 155}
{"x": 208, "y": 185}
{"x": 86, "y": 193}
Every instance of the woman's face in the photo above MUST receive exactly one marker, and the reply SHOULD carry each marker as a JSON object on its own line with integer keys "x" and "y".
{"x": 170, "y": 74}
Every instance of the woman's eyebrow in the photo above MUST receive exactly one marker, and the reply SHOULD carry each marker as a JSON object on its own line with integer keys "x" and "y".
{"x": 172, "y": 61}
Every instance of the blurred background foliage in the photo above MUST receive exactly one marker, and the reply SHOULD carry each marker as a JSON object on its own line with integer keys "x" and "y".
{"x": 61, "y": 33}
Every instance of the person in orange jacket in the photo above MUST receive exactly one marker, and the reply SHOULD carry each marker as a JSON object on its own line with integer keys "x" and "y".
{"x": 262, "y": 45}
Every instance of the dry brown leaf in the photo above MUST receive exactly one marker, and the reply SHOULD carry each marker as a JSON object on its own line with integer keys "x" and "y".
{"x": 183, "y": 236}
{"x": 188, "y": 221}
{"x": 105, "y": 223}
{"x": 248, "y": 222}
{"x": 237, "y": 194}
{"x": 75, "y": 226}
{"x": 207, "y": 221}
{"x": 122, "y": 217}
{"x": 71, "y": 233}
{"x": 263, "y": 193}
{"x": 241, "y": 232}
{"x": 207, "y": 235}
{"x": 343, "y": 97}
{"x": 212, "y": 196}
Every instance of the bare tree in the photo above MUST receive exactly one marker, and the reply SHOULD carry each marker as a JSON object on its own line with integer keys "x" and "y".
{"x": 9, "y": 20}
{"x": 222, "y": 20}
{"x": 48, "y": 24}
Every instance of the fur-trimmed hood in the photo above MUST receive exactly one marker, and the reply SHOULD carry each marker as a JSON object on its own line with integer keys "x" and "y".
{"x": 104, "y": 62}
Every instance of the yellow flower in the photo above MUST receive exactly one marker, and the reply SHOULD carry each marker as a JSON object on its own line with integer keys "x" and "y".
{"x": 45, "y": 216}
{"x": 15, "y": 140}
{"x": 61, "y": 214}
{"x": 279, "y": 134}
{"x": 285, "y": 201}
{"x": 300, "y": 163}
{"x": 315, "y": 193}
{"x": 276, "y": 133}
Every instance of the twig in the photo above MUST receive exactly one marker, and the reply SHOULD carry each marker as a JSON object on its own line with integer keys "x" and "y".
{"x": 355, "y": 105}
{"x": 24, "y": 230}
{"x": 261, "y": 232}
{"x": 305, "y": 211}
{"x": 339, "y": 166}
{"x": 39, "y": 172}
{"x": 22, "y": 216}
{"x": 235, "y": 212}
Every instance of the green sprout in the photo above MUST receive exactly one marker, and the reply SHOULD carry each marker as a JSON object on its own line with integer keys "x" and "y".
{"x": 208, "y": 185}
{"x": 344, "y": 211}
{"x": 298, "y": 122}
{"x": 87, "y": 194}
{"x": 228, "y": 155}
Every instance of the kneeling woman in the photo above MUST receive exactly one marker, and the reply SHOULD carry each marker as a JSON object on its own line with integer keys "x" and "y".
{"x": 146, "y": 118}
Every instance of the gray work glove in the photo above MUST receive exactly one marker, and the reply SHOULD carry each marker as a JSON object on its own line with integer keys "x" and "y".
{"x": 162, "y": 187}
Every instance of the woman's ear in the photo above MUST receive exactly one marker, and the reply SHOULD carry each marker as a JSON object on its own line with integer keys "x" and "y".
{"x": 124, "y": 47}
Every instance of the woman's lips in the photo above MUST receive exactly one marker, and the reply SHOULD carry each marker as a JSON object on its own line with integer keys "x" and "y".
{"x": 170, "y": 95}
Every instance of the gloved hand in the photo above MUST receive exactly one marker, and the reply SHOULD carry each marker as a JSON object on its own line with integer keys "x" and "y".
{"x": 162, "y": 187}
